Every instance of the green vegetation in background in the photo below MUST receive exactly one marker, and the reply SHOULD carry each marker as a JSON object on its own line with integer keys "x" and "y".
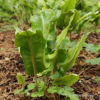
{"x": 22, "y": 10}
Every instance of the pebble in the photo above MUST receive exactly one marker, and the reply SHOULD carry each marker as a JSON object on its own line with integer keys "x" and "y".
{"x": 93, "y": 81}
{"x": 96, "y": 97}
{"x": 20, "y": 60}
{"x": 87, "y": 77}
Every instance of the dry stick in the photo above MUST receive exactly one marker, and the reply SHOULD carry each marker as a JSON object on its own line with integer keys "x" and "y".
{"x": 54, "y": 96}
{"x": 66, "y": 98}
{"x": 28, "y": 98}
{"x": 55, "y": 62}
{"x": 78, "y": 61}
{"x": 84, "y": 70}
{"x": 22, "y": 19}
{"x": 95, "y": 28}
{"x": 70, "y": 36}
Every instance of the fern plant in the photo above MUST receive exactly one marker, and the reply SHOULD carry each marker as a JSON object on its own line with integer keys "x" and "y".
{"x": 46, "y": 57}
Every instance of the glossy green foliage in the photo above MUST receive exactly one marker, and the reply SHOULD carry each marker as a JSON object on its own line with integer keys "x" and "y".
{"x": 21, "y": 10}
{"x": 69, "y": 5}
{"x": 89, "y": 6}
{"x": 41, "y": 89}
{"x": 47, "y": 54}
{"x": 66, "y": 13}
{"x": 44, "y": 23}
{"x": 32, "y": 49}
{"x": 72, "y": 54}
{"x": 31, "y": 86}
{"x": 19, "y": 91}
{"x": 63, "y": 34}
{"x": 75, "y": 21}
{"x": 92, "y": 48}
{"x": 67, "y": 80}
{"x": 65, "y": 91}
{"x": 97, "y": 79}
{"x": 20, "y": 79}
{"x": 96, "y": 18}
{"x": 98, "y": 49}
{"x": 82, "y": 21}
{"x": 95, "y": 61}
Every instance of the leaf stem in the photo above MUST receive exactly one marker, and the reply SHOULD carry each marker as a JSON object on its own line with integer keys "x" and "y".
{"x": 55, "y": 62}
{"x": 32, "y": 53}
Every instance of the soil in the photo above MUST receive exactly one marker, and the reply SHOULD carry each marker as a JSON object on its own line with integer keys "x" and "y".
{"x": 11, "y": 63}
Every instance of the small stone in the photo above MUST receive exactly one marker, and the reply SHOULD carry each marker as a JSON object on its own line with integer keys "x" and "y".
{"x": 96, "y": 97}
{"x": 87, "y": 77}
{"x": 20, "y": 60}
{"x": 93, "y": 81}
{"x": 2, "y": 40}
{"x": 84, "y": 47}
{"x": 6, "y": 59}
{"x": 0, "y": 57}
{"x": 80, "y": 81}
{"x": 1, "y": 61}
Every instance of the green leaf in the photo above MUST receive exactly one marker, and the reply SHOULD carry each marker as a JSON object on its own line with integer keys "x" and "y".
{"x": 95, "y": 61}
{"x": 66, "y": 88}
{"x": 71, "y": 44}
{"x": 75, "y": 19}
{"x": 59, "y": 42}
{"x": 65, "y": 43}
{"x": 43, "y": 23}
{"x": 51, "y": 3}
{"x": 36, "y": 23}
{"x": 82, "y": 21}
{"x": 20, "y": 79}
{"x": 31, "y": 86}
{"x": 68, "y": 92}
{"x": 98, "y": 30}
{"x": 37, "y": 94}
{"x": 61, "y": 56}
{"x": 32, "y": 49}
{"x": 53, "y": 89}
{"x": 41, "y": 3}
{"x": 98, "y": 49}
{"x": 72, "y": 54}
{"x": 63, "y": 34}
{"x": 41, "y": 85}
{"x": 41, "y": 89}
{"x": 69, "y": 5}
{"x": 92, "y": 47}
{"x": 25, "y": 92}
{"x": 55, "y": 76}
{"x": 66, "y": 80}
{"x": 97, "y": 79}
{"x": 18, "y": 91}
{"x": 65, "y": 91}
{"x": 45, "y": 72}
{"x": 66, "y": 13}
